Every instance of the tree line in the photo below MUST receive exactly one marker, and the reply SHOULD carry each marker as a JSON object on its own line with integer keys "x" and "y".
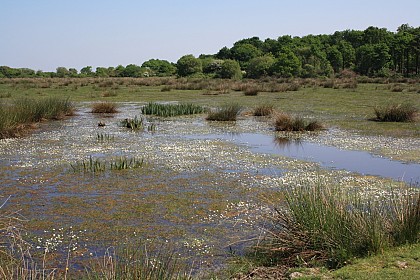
{"x": 371, "y": 52}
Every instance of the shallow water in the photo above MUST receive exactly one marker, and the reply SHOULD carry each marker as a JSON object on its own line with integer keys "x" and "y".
{"x": 327, "y": 156}
{"x": 204, "y": 186}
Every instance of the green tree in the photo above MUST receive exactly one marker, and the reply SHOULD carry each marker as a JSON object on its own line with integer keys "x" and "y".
{"x": 73, "y": 72}
{"x": 371, "y": 58}
{"x": 133, "y": 71}
{"x": 260, "y": 66}
{"x": 188, "y": 65}
{"x": 230, "y": 69}
{"x": 243, "y": 53}
{"x": 86, "y": 71}
{"x": 335, "y": 58}
{"x": 62, "y": 72}
{"x": 102, "y": 72}
{"x": 286, "y": 65}
{"x": 159, "y": 67}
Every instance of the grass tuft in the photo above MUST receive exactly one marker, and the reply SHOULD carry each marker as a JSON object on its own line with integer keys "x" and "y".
{"x": 285, "y": 122}
{"x": 396, "y": 113}
{"x": 171, "y": 110}
{"x": 263, "y": 110}
{"x": 227, "y": 112}
{"x": 104, "y": 108}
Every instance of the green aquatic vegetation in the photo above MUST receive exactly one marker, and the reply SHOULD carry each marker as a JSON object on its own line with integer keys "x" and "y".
{"x": 104, "y": 137}
{"x": 121, "y": 163}
{"x": 171, "y": 110}
{"x": 89, "y": 166}
{"x": 133, "y": 124}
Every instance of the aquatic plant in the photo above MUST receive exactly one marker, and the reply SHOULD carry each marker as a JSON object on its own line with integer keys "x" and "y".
{"x": 328, "y": 224}
{"x": 133, "y": 124}
{"x": 122, "y": 163}
{"x": 285, "y": 122}
{"x": 396, "y": 113}
{"x": 104, "y": 137}
{"x": 227, "y": 112}
{"x": 171, "y": 110}
{"x": 104, "y": 107}
{"x": 91, "y": 165}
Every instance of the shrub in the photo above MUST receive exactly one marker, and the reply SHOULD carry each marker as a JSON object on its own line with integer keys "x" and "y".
{"x": 104, "y": 107}
{"x": 227, "y": 112}
{"x": 285, "y": 122}
{"x": 396, "y": 113}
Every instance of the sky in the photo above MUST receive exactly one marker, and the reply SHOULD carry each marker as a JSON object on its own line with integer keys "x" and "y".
{"x": 46, "y": 34}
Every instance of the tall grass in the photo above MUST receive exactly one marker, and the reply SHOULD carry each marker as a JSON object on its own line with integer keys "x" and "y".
{"x": 138, "y": 262}
{"x": 328, "y": 224}
{"x": 104, "y": 107}
{"x": 396, "y": 113}
{"x": 17, "y": 116}
{"x": 171, "y": 110}
{"x": 285, "y": 122}
{"x": 263, "y": 110}
{"x": 227, "y": 112}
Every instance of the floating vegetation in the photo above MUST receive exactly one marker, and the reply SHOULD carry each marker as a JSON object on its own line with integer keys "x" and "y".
{"x": 104, "y": 137}
{"x": 95, "y": 165}
{"x": 171, "y": 110}
{"x": 133, "y": 124}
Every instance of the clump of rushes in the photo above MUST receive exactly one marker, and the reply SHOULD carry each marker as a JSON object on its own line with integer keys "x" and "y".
{"x": 285, "y": 122}
{"x": 89, "y": 166}
{"x": 133, "y": 124}
{"x": 122, "y": 163}
{"x": 328, "y": 224}
{"x": 227, "y": 112}
{"x": 171, "y": 110}
{"x": 396, "y": 113}
{"x": 103, "y": 137}
{"x": 104, "y": 107}
{"x": 263, "y": 110}
{"x": 251, "y": 91}
{"x": 96, "y": 166}
{"x": 17, "y": 116}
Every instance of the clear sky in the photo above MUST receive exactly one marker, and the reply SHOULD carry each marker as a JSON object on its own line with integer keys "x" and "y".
{"x": 46, "y": 34}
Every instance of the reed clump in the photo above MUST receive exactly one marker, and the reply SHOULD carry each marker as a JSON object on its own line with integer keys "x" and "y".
{"x": 133, "y": 124}
{"x": 396, "y": 113}
{"x": 19, "y": 115}
{"x": 227, "y": 112}
{"x": 171, "y": 110}
{"x": 104, "y": 108}
{"x": 285, "y": 122}
{"x": 263, "y": 110}
{"x": 327, "y": 224}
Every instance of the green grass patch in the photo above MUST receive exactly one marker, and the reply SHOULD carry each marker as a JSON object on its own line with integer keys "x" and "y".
{"x": 171, "y": 110}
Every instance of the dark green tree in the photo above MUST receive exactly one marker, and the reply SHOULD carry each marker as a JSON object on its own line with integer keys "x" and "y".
{"x": 230, "y": 69}
{"x": 160, "y": 67}
{"x": 243, "y": 53}
{"x": 188, "y": 65}
{"x": 260, "y": 66}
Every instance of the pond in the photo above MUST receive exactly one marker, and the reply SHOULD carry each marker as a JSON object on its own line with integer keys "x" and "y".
{"x": 204, "y": 187}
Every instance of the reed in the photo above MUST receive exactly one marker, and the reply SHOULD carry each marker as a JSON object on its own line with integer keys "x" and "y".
{"x": 285, "y": 122}
{"x": 89, "y": 166}
{"x": 104, "y": 137}
{"x": 104, "y": 107}
{"x": 171, "y": 110}
{"x": 122, "y": 163}
{"x": 133, "y": 124}
{"x": 263, "y": 110}
{"x": 227, "y": 112}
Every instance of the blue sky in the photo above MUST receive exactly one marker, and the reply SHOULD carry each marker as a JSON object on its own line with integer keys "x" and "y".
{"x": 46, "y": 34}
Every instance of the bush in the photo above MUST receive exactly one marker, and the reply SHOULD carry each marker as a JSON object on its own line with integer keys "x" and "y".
{"x": 396, "y": 113}
{"x": 104, "y": 107}
{"x": 285, "y": 122}
{"x": 225, "y": 113}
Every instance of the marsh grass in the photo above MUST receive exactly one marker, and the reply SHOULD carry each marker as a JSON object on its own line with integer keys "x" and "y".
{"x": 122, "y": 163}
{"x": 396, "y": 113}
{"x": 138, "y": 261}
{"x": 263, "y": 110}
{"x": 96, "y": 166}
{"x": 171, "y": 110}
{"x": 285, "y": 122}
{"x": 104, "y": 107}
{"x": 228, "y": 112}
{"x": 16, "y": 117}
{"x": 328, "y": 225}
{"x": 90, "y": 165}
{"x": 104, "y": 137}
{"x": 133, "y": 124}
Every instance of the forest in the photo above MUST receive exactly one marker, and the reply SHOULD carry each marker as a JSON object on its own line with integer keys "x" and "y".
{"x": 374, "y": 52}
